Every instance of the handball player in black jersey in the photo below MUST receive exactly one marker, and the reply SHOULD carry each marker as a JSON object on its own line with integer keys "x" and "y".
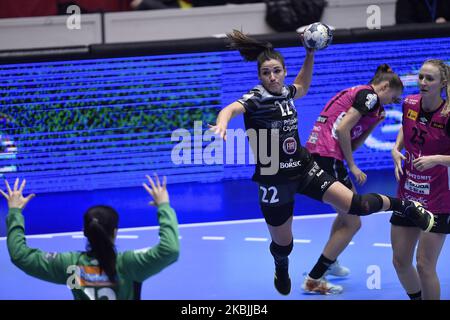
{"x": 269, "y": 111}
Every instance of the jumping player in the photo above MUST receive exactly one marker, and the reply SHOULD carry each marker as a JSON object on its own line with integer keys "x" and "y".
{"x": 267, "y": 108}
{"x": 343, "y": 125}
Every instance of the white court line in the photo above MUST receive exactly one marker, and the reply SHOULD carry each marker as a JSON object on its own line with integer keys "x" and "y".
{"x": 255, "y": 239}
{"x": 207, "y": 224}
{"x": 120, "y": 236}
{"x": 351, "y": 243}
{"x": 123, "y": 236}
{"x": 39, "y": 236}
{"x": 212, "y": 238}
{"x": 230, "y": 222}
{"x": 382, "y": 245}
{"x": 302, "y": 241}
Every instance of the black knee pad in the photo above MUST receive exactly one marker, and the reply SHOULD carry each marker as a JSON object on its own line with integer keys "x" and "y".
{"x": 365, "y": 204}
{"x": 281, "y": 251}
{"x": 276, "y": 216}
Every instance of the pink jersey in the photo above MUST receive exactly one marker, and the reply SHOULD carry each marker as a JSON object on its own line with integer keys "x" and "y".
{"x": 323, "y": 139}
{"x": 424, "y": 135}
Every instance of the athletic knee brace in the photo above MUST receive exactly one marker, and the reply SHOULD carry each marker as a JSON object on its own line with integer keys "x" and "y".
{"x": 365, "y": 204}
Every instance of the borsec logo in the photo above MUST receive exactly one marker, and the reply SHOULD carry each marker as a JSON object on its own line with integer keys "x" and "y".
{"x": 289, "y": 145}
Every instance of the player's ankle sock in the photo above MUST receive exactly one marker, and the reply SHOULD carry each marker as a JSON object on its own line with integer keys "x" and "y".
{"x": 415, "y": 296}
{"x": 320, "y": 267}
{"x": 280, "y": 255}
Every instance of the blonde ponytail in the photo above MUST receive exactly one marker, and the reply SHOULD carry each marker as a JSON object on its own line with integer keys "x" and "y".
{"x": 446, "y": 109}
{"x": 444, "y": 71}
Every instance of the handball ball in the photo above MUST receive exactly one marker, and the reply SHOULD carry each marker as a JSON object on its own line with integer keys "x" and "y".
{"x": 317, "y": 36}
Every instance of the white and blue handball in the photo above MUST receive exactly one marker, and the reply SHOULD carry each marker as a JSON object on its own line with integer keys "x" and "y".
{"x": 317, "y": 36}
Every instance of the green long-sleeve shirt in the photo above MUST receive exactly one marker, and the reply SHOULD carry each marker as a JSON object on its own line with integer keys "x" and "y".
{"x": 81, "y": 272}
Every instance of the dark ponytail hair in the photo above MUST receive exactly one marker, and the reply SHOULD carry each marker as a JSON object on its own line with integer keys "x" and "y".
{"x": 253, "y": 50}
{"x": 100, "y": 222}
{"x": 385, "y": 73}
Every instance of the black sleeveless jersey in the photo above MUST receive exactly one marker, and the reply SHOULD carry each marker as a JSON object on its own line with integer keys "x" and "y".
{"x": 274, "y": 120}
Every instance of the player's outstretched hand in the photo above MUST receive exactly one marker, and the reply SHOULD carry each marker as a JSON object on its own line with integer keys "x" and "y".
{"x": 157, "y": 191}
{"x": 15, "y": 197}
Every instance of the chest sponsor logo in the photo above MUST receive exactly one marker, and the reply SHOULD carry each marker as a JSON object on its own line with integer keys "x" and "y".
{"x": 290, "y": 164}
{"x": 289, "y": 145}
{"x": 289, "y": 125}
{"x": 437, "y": 125}
{"x": 416, "y": 176}
{"x": 412, "y": 114}
{"x": 416, "y": 187}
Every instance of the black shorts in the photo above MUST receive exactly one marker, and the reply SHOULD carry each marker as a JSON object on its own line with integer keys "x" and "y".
{"x": 334, "y": 167}
{"x": 442, "y": 222}
{"x": 277, "y": 201}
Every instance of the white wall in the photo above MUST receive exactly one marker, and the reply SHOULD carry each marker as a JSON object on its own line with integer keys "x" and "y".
{"x": 45, "y": 32}
{"x": 209, "y": 21}
{"x": 171, "y": 24}
{"x": 352, "y": 13}
{"x": 183, "y": 24}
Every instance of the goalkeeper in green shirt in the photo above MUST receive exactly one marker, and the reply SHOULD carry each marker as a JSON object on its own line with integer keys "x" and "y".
{"x": 99, "y": 272}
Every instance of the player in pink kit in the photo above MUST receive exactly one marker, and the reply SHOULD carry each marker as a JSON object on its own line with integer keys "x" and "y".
{"x": 424, "y": 177}
{"x": 342, "y": 126}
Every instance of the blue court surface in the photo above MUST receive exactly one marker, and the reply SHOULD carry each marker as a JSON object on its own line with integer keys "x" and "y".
{"x": 230, "y": 260}
{"x": 224, "y": 245}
